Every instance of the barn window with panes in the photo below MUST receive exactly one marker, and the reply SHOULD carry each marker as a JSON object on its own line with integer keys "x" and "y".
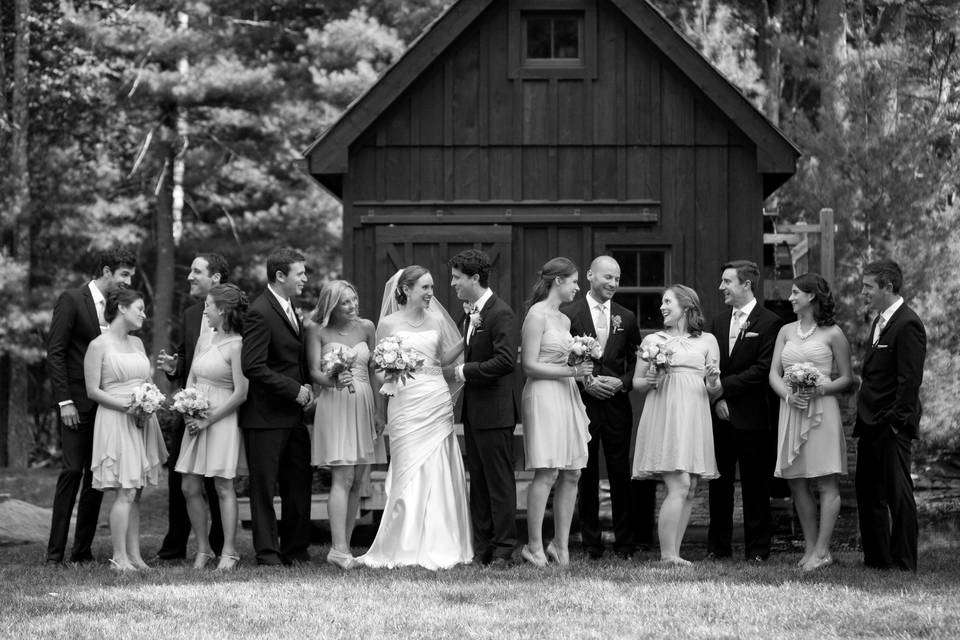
{"x": 644, "y": 274}
{"x": 552, "y": 37}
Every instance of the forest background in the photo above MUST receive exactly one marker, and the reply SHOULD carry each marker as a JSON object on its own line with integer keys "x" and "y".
{"x": 173, "y": 127}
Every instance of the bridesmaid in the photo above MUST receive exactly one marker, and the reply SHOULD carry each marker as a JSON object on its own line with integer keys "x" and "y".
{"x": 125, "y": 457}
{"x": 214, "y": 447}
{"x": 343, "y": 429}
{"x": 810, "y": 442}
{"x": 675, "y": 434}
{"x": 555, "y": 420}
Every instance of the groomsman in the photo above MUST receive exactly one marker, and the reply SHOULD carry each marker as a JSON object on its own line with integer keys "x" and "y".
{"x": 206, "y": 270}
{"x": 277, "y": 441}
{"x": 744, "y": 432}
{"x": 78, "y": 319}
{"x": 888, "y": 418}
{"x": 489, "y": 410}
{"x": 607, "y": 399}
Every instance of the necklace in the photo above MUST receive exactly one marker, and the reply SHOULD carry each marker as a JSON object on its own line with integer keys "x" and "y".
{"x": 416, "y": 324}
{"x": 803, "y": 335}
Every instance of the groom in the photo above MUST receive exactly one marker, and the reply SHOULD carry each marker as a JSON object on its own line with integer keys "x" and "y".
{"x": 489, "y": 411}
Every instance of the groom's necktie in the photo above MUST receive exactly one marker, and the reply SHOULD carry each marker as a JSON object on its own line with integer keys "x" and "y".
{"x": 292, "y": 317}
{"x": 878, "y": 326}
{"x": 600, "y": 324}
{"x": 736, "y": 322}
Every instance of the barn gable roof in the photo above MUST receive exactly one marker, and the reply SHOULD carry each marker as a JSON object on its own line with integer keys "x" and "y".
{"x": 327, "y": 157}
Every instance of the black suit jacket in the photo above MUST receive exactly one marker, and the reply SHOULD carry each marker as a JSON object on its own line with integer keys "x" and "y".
{"x": 745, "y": 371}
{"x": 490, "y": 360}
{"x": 891, "y": 377}
{"x": 73, "y": 326}
{"x": 187, "y": 343}
{"x": 274, "y": 360}
{"x": 619, "y": 354}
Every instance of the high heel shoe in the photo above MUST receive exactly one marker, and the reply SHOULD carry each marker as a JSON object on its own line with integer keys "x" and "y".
{"x": 554, "y": 554}
{"x": 228, "y": 562}
{"x": 121, "y": 568}
{"x": 202, "y": 559}
{"x": 537, "y": 560}
{"x": 340, "y": 558}
{"x": 818, "y": 563}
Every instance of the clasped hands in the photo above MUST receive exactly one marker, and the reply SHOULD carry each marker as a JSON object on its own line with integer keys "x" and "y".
{"x": 602, "y": 387}
{"x": 801, "y": 399}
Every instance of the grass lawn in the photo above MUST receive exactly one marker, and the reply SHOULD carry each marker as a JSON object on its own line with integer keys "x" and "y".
{"x": 607, "y": 599}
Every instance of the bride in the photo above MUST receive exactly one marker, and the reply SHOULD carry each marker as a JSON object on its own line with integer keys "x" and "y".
{"x": 426, "y": 520}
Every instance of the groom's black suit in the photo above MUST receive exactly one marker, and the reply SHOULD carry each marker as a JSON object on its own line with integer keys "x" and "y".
{"x": 73, "y": 326}
{"x": 888, "y": 418}
{"x": 175, "y": 542}
{"x": 611, "y": 421}
{"x": 748, "y": 437}
{"x": 277, "y": 442}
{"x": 489, "y": 413}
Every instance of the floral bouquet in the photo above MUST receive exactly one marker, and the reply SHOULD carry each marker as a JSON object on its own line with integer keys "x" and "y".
{"x": 191, "y": 402}
{"x": 147, "y": 398}
{"x": 397, "y": 361}
{"x": 802, "y": 377}
{"x": 583, "y": 348}
{"x": 337, "y": 361}
{"x": 657, "y": 355}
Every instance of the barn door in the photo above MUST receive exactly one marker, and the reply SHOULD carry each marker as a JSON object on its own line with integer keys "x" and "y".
{"x": 432, "y": 246}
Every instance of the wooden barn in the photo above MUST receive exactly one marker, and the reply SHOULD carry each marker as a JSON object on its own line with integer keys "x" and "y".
{"x": 537, "y": 128}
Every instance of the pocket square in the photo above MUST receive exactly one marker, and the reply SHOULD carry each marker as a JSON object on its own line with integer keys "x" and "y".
{"x": 881, "y": 346}
{"x": 751, "y": 334}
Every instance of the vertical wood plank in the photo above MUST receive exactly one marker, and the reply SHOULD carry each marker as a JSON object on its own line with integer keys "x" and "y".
{"x": 536, "y": 112}
{"x": 711, "y": 204}
{"x": 501, "y": 89}
{"x": 643, "y": 173}
{"x": 710, "y": 125}
{"x": 465, "y": 93}
{"x": 430, "y": 106}
{"x": 396, "y": 122}
{"x": 570, "y": 172}
{"x": 677, "y": 117}
{"x": 431, "y": 172}
{"x": 570, "y": 112}
{"x": 745, "y": 211}
{"x": 539, "y": 173}
{"x": 610, "y": 31}
{"x": 677, "y": 180}
{"x": 397, "y": 173}
{"x": 466, "y": 169}
{"x": 501, "y": 173}
{"x": 605, "y": 173}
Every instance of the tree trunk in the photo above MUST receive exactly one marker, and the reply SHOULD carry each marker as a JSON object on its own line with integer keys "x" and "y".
{"x": 832, "y": 28}
{"x": 164, "y": 276}
{"x": 19, "y": 422}
{"x": 770, "y": 54}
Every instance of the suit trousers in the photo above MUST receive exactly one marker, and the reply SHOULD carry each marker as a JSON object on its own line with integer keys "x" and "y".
{"x": 754, "y": 451}
{"x": 610, "y": 425}
{"x": 280, "y": 458}
{"x": 174, "y": 544}
{"x": 884, "y": 494}
{"x": 77, "y": 475}
{"x": 493, "y": 491}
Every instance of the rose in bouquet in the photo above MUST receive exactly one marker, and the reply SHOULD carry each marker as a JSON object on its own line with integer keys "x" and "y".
{"x": 583, "y": 348}
{"x": 397, "y": 362}
{"x": 336, "y": 362}
{"x": 657, "y": 355}
{"x": 147, "y": 398}
{"x": 802, "y": 377}
{"x": 191, "y": 402}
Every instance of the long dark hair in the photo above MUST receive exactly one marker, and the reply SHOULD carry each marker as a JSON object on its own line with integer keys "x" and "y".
{"x": 558, "y": 267}
{"x": 689, "y": 301}
{"x": 231, "y": 301}
{"x": 408, "y": 278}
{"x": 824, "y": 307}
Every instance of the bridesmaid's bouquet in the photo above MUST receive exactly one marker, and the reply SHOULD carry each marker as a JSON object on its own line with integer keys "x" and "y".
{"x": 658, "y": 355}
{"x": 397, "y": 361}
{"x": 147, "y": 398}
{"x": 802, "y": 377}
{"x": 583, "y": 348}
{"x": 337, "y": 361}
{"x": 191, "y": 402}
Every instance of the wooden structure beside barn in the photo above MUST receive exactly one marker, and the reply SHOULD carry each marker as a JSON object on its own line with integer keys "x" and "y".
{"x": 537, "y": 128}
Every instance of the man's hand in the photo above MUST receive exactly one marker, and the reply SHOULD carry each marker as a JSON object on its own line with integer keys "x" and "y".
{"x": 723, "y": 411}
{"x": 167, "y": 362}
{"x": 70, "y": 416}
{"x": 603, "y": 387}
{"x": 305, "y": 395}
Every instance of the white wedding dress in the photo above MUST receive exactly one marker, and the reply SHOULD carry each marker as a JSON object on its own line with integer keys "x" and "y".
{"x": 426, "y": 520}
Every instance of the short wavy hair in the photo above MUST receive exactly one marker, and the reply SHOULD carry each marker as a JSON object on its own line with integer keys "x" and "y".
{"x": 473, "y": 262}
{"x": 887, "y": 272}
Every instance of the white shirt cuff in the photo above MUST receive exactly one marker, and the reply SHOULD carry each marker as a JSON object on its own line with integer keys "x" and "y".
{"x": 65, "y": 403}
{"x": 458, "y": 372}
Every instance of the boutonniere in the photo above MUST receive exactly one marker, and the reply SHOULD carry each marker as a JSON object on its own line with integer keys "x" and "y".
{"x": 615, "y": 322}
{"x": 744, "y": 327}
{"x": 475, "y": 319}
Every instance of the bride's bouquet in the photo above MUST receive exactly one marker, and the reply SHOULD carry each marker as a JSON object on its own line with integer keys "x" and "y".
{"x": 583, "y": 348}
{"x": 147, "y": 398}
{"x": 336, "y": 362}
{"x": 802, "y": 377}
{"x": 397, "y": 361}
{"x": 657, "y": 355}
{"x": 191, "y": 402}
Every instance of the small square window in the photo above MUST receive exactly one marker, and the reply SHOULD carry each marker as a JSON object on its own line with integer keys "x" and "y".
{"x": 551, "y": 37}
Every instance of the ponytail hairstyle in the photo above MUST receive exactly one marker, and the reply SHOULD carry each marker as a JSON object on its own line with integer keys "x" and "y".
{"x": 231, "y": 301}
{"x": 689, "y": 301}
{"x": 558, "y": 267}
{"x": 330, "y": 296}
{"x": 408, "y": 278}
{"x": 824, "y": 307}
{"x": 119, "y": 297}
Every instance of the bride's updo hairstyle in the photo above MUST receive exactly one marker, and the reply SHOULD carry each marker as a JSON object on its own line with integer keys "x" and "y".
{"x": 408, "y": 278}
{"x": 559, "y": 267}
{"x": 689, "y": 301}
{"x": 824, "y": 308}
{"x": 119, "y": 297}
{"x": 330, "y": 297}
{"x": 231, "y": 301}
